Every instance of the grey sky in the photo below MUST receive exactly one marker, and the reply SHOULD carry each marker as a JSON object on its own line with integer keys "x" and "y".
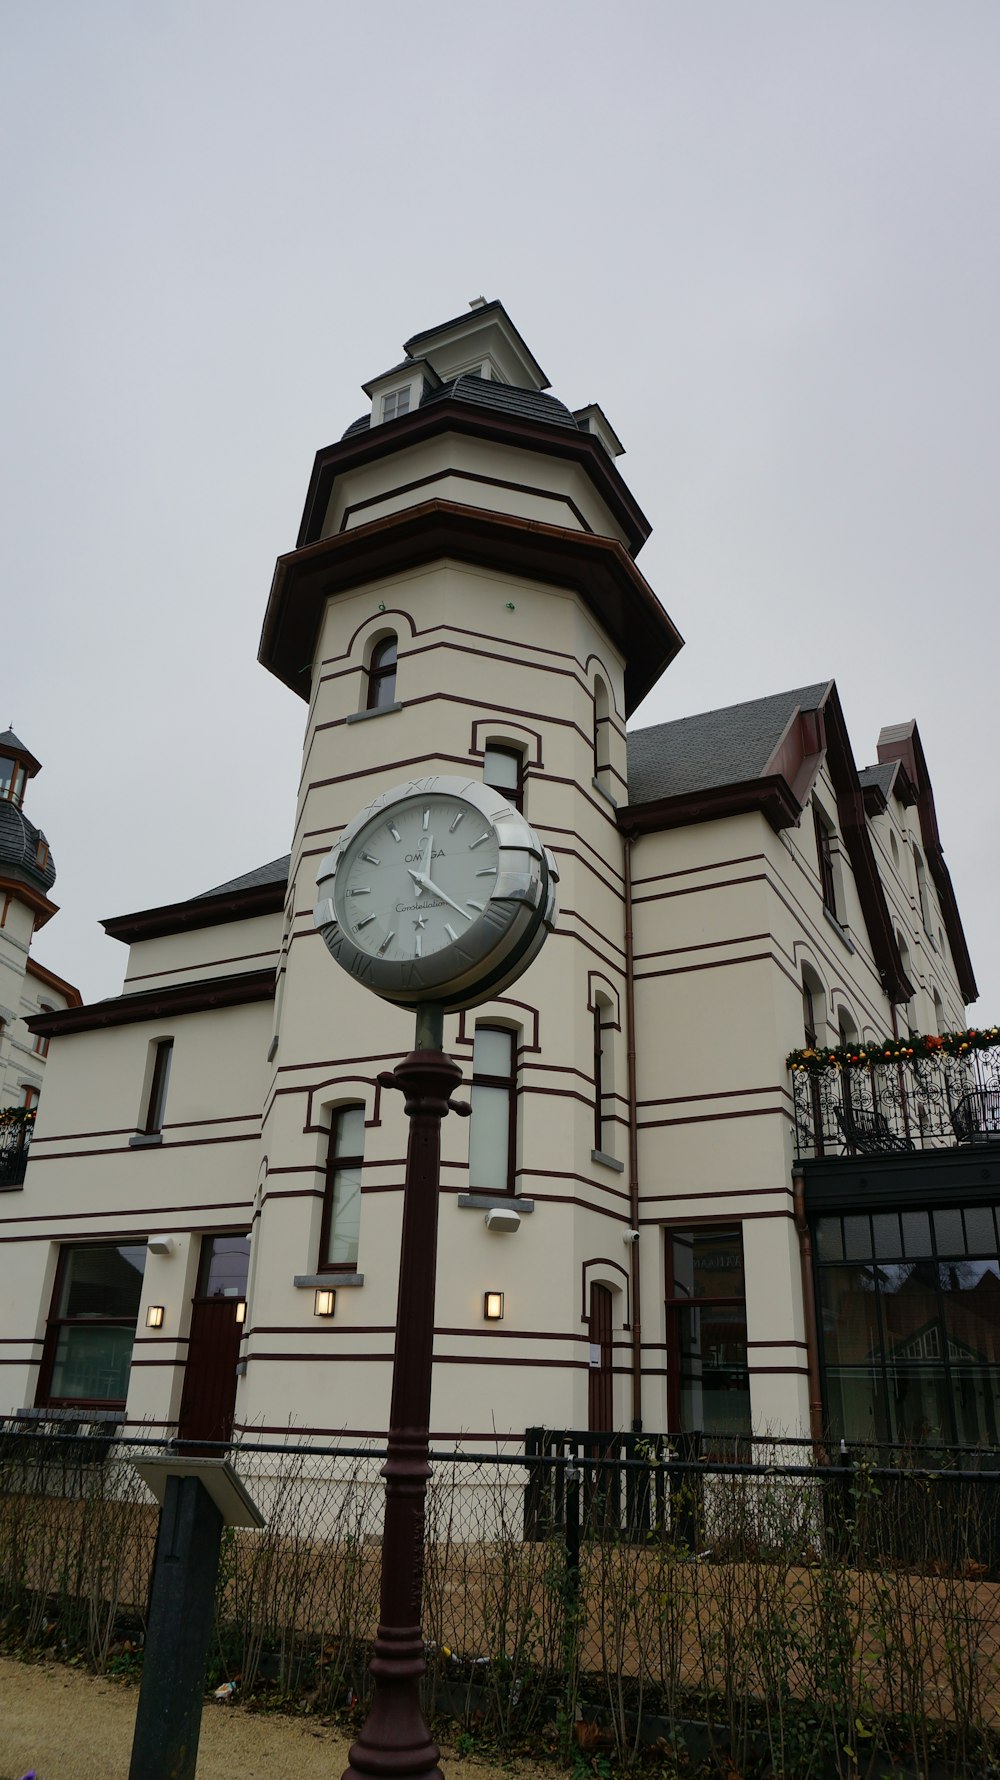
{"x": 764, "y": 237}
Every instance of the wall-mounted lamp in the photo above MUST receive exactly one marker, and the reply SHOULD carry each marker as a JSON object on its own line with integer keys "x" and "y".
{"x": 241, "y": 1311}
{"x": 493, "y": 1306}
{"x": 325, "y": 1302}
{"x": 154, "y": 1316}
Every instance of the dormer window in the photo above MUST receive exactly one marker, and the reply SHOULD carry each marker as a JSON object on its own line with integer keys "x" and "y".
{"x": 397, "y": 402}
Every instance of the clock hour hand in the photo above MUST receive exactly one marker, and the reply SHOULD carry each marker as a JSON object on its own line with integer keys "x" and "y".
{"x": 424, "y": 863}
{"x": 423, "y": 882}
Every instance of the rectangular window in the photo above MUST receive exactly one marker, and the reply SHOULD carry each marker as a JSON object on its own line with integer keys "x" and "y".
{"x": 396, "y": 403}
{"x": 604, "y": 1083}
{"x": 824, "y": 851}
{"x": 493, "y": 1125}
{"x": 708, "y": 1381}
{"x": 341, "y": 1229}
{"x": 29, "y": 1097}
{"x": 157, "y": 1102}
{"x": 92, "y": 1326}
{"x": 503, "y": 769}
{"x": 42, "y": 1044}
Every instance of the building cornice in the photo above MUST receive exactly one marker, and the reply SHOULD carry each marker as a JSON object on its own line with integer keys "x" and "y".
{"x": 771, "y": 797}
{"x": 781, "y": 796}
{"x": 14, "y": 885}
{"x": 71, "y": 992}
{"x": 199, "y": 911}
{"x": 157, "y": 1004}
{"x": 903, "y": 744}
{"x": 472, "y": 419}
{"x": 599, "y": 569}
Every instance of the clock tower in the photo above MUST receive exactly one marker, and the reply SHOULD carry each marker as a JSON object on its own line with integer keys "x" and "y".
{"x": 463, "y": 600}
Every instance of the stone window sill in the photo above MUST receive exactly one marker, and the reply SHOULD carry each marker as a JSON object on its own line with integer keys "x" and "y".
{"x": 842, "y": 931}
{"x": 383, "y": 711}
{"x": 145, "y": 1140}
{"x": 310, "y": 1282}
{"x": 494, "y": 1202}
{"x": 607, "y": 1161}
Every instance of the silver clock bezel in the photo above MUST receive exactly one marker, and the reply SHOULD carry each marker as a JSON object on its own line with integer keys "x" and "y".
{"x": 497, "y": 946}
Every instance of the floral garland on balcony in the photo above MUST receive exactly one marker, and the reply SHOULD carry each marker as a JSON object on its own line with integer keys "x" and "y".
{"x": 820, "y": 1060}
{"x": 16, "y": 1115}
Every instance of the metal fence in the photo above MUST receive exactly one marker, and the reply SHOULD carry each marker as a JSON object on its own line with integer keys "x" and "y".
{"x": 583, "y": 1592}
{"x": 910, "y": 1104}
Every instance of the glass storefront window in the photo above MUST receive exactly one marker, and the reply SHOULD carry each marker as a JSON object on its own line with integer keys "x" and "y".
{"x": 911, "y": 1337}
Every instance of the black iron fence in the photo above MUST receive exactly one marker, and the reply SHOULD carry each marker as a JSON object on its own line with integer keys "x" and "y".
{"x": 15, "y": 1138}
{"x": 748, "y": 1602}
{"x": 878, "y": 1108}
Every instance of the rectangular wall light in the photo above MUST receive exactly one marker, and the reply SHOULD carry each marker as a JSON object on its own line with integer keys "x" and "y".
{"x": 241, "y": 1311}
{"x": 325, "y": 1302}
{"x": 493, "y": 1306}
{"x": 154, "y": 1316}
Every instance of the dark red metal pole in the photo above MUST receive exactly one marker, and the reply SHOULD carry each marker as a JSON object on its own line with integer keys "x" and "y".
{"x": 395, "y": 1743}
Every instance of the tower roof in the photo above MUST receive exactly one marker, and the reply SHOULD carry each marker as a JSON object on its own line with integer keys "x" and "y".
{"x": 12, "y": 744}
{"x": 24, "y": 851}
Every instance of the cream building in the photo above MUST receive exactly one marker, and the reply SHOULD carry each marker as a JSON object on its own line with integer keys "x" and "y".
{"x": 27, "y": 874}
{"x": 208, "y": 1231}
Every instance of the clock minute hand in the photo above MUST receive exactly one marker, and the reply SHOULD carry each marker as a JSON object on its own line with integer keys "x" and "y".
{"x": 423, "y": 882}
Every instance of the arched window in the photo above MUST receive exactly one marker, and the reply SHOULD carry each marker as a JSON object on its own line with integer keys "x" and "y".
{"x": 922, "y": 897}
{"x": 382, "y": 675}
{"x": 813, "y": 998}
{"x": 938, "y": 1013}
{"x": 602, "y": 735}
{"x": 341, "y": 1227}
{"x": 493, "y": 1125}
{"x": 604, "y": 1075}
{"x": 503, "y": 768}
{"x": 904, "y": 957}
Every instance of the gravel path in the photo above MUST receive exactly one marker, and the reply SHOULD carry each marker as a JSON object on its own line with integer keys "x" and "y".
{"x": 72, "y": 1726}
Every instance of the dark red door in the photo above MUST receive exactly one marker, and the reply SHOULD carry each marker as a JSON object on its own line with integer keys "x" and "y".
{"x": 602, "y": 1413}
{"x": 209, "y": 1395}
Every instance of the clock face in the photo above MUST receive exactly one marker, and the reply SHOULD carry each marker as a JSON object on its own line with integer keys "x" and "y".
{"x": 438, "y": 891}
{"x": 417, "y": 877}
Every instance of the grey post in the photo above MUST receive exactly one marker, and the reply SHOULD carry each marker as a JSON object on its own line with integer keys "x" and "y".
{"x": 199, "y": 1498}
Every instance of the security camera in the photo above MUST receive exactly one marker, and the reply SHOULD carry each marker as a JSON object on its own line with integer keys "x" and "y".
{"x": 631, "y": 1236}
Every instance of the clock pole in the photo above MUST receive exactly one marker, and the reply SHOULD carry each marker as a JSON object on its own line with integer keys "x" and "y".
{"x": 395, "y": 1743}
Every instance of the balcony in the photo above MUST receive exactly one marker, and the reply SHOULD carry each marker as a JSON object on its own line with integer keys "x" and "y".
{"x": 908, "y": 1095}
{"x": 16, "y": 1126}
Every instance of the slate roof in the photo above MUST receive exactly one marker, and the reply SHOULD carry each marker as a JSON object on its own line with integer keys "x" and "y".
{"x": 483, "y": 392}
{"x": 12, "y": 742}
{"x": 275, "y": 872}
{"x": 881, "y": 775}
{"x": 19, "y": 840}
{"x": 713, "y": 748}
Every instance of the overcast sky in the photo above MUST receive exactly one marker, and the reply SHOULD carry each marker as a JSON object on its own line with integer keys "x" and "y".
{"x": 762, "y": 234}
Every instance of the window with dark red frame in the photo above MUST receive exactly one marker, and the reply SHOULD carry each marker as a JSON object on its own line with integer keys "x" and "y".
{"x": 341, "y": 1228}
{"x": 91, "y": 1330}
{"x": 708, "y": 1382}
{"x": 503, "y": 768}
{"x": 604, "y": 1124}
{"x": 382, "y": 675}
{"x": 493, "y": 1125}
{"x": 824, "y": 853}
{"x": 157, "y": 1102}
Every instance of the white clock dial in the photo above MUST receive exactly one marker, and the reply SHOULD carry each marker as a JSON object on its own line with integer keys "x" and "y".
{"x": 416, "y": 878}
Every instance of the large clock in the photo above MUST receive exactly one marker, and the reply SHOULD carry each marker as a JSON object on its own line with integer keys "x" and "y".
{"x": 438, "y": 891}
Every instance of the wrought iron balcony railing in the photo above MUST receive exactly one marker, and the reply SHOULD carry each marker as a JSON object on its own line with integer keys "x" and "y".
{"x": 15, "y": 1137}
{"x": 906, "y": 1095}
